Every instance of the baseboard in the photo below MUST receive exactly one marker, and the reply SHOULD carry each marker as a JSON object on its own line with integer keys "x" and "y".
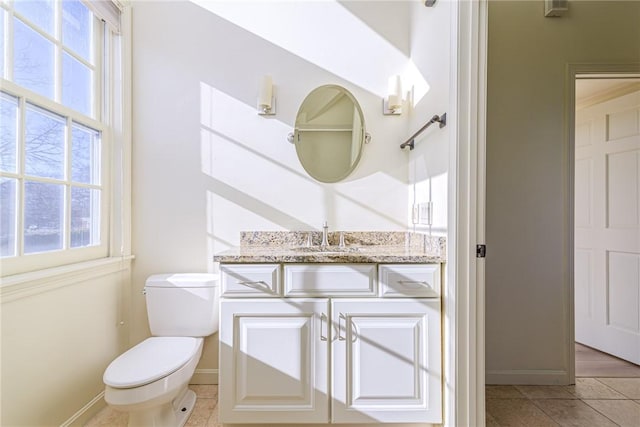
{"x": 87, "y": 412}
{"x": 528, "y": 377}
{"x": 205, "y": 376}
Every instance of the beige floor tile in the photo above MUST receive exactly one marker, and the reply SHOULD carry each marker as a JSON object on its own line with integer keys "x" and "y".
{"x": 545, "y": 391}
{"x": 213, "y": 418}
{"x": 490, "y": 421}
{"x": 107, "y": 417}
{"x": 205, "y": 391}
{"x": 590, "y": 388}
{"x": 201, "y": 416}
{"x": 503, "y": 392}
{"x": 517, "y": 413}
{"x": 574, "y": 413}
{"x": 630, "y": 387}
{"x": 626, "y": 413}
{"x": 201, "y": 413}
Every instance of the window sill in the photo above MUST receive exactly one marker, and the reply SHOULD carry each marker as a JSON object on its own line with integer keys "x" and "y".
{"x": 27, "y": 284}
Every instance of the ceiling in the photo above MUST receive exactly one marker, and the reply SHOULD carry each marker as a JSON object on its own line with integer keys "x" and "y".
{"x": 590, "y": 90}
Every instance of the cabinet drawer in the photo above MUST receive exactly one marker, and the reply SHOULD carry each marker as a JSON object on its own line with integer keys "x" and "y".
{"x": 337, "y": 280}
{"x": 404, "y": 280}
{"x": 250, "y": 280}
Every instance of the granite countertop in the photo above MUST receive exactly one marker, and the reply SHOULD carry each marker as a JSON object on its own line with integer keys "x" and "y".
{"x": 361, "y": 247}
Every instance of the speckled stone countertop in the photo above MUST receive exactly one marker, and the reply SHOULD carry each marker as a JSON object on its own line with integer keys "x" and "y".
{"x": 361, "y": 247}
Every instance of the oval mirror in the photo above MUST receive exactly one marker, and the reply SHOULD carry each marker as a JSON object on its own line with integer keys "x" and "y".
{"x": 329, "y": 133}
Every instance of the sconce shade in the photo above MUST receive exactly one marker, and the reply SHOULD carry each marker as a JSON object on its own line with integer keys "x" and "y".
{"x": 266, "y": 100}
{"x": 392, "y": 102}
{"x": 265, "y": 93}
{"x": 395, "y": 92}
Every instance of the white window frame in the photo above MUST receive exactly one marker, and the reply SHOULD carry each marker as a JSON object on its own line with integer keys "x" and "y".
{"x": 107, "y": 110}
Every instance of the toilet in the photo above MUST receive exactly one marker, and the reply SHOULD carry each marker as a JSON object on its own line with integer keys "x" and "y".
{"x": 150, "y": 381}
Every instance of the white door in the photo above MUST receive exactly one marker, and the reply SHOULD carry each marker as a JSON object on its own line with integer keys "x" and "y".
{"x": 273, "y": 361}
{"x": 607, "y": 227}
{"x": 386, "y": 361}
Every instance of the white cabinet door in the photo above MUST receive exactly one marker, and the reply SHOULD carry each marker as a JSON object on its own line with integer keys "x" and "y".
{"x": 607, "y": 227}
{"x": 273, "y": 361}
{"x": 386, "y": 361}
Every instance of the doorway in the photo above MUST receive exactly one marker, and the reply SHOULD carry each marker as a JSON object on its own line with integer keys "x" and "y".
{"x": 606, "y": 260}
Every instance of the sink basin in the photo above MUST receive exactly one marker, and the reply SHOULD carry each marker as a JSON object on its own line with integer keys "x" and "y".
{"x": 327, "y": 250}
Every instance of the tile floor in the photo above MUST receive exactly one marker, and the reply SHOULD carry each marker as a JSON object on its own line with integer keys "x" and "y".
{"x": 606, "y": 393}
{"x": 591, "y": 402}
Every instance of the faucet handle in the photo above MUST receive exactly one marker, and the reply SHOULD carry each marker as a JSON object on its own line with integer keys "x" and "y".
{"x": 341, "y": 244}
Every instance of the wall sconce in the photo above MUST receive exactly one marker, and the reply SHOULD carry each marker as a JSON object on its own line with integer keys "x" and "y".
{"x": 392, "y": 104}
{"x": 266, "y": 98}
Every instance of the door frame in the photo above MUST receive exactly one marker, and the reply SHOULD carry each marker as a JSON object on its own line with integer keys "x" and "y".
{"x": 463, "y": 308}
{"x": 573, "y": 71}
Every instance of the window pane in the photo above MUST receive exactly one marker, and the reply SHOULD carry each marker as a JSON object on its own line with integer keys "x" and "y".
{"x": 7, "y": 217}
{"x": 33, "y": 60}
{"x": 2, "y": 14}
{"x": 85, "y": 155}
{"x": 85, "y": 217}
{"x": 76, "y": 85}
{"x": 77, "y": 31}
{"x": 8, "y": 134}
{"x": 43, "y": 217}
{"x": 39, "y": 12}
{"x": 44, "y": 144}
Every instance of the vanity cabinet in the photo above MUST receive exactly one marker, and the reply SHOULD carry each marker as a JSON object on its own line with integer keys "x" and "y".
{"x": 333, "y": 348}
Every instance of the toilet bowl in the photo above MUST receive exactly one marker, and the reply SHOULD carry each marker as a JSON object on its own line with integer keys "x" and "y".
{"x": 150, "y": 381}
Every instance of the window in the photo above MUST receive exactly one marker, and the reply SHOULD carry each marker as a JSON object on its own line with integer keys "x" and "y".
{"x": 53, "y": 124}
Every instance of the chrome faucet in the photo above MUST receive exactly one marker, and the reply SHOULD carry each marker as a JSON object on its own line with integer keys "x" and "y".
{"x": 325, "y": 235}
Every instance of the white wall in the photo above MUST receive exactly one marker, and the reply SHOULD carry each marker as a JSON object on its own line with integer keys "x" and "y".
{"x": 59, "y": 333}
{"x": 428, "y": 168}
{"x": 206, "y": 166}
{"x": 527, "y": 229}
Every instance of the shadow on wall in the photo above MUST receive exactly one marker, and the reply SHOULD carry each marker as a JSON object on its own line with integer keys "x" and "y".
{"x": 363, "y": 44}
{"x": 252, "y": 180}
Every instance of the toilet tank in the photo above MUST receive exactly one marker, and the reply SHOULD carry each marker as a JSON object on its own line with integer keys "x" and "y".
{"x": 182, "y": 305}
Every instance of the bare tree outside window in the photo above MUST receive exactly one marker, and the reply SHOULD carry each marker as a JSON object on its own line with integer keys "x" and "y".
{"x": 50, "y": 163}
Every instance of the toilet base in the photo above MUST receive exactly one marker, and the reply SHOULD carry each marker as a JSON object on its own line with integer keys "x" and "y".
{"x": 171, "y": 414}
{"x": 183, "y": 406}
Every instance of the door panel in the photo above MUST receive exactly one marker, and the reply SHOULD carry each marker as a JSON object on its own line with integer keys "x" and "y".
{"x": 622, "y": 124}
{"x": 607, "y": 227}
{"x": 623, "y": 291}
{"x": 275, "y": 355}
{"x": 622, "y": 189}
{"x": 386, "y": 361}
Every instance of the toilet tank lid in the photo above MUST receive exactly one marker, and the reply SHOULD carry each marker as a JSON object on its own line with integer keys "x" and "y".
{"x": 150, "y": 360}
{"x": 182, "y": 280}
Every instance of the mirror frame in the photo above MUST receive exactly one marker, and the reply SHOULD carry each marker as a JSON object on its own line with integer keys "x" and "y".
{"x": 362, "y": 141}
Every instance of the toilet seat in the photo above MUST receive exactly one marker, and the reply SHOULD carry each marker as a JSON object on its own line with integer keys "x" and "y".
{"x": 151, "y": 360}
